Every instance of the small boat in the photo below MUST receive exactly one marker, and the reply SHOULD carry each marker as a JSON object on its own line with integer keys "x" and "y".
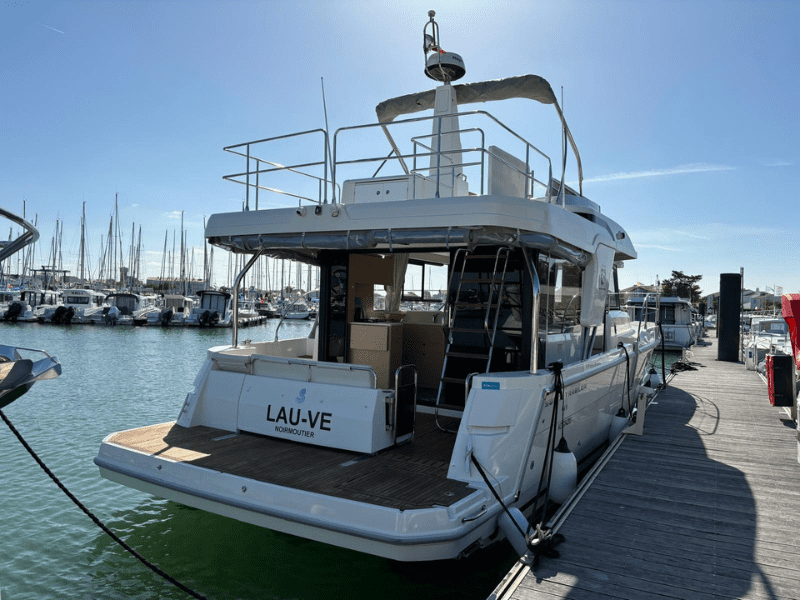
{"x": 266, "y": 309}
{"x": 172, "y": 312}
{"x": 413, "y": 435}
{"x": 213, "y": 310}
{"x": 123, "y": 308}
{"x": 296, "y": 311}
{"x": 78, "y": 306}
{"x": 18, "y": 371}
{"x": 679, "y": 321}
{"x": 766, "y": 335}
{"x": 32, "y": 305}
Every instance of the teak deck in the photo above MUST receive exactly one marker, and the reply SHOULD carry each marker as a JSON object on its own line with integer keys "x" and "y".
{"x": 706, "y": 504}
{"x": 410, "y": 476}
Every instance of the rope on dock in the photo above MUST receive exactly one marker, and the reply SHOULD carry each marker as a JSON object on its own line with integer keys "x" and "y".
{"x": 97, "y": 521}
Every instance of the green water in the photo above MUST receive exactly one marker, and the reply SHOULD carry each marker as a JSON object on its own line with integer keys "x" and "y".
{"x": 123, "y": 377}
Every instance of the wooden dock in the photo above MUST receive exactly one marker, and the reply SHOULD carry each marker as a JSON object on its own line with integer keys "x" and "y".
{"x": 706, "y": 504}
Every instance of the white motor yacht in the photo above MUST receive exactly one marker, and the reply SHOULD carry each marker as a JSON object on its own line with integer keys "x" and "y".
{"x": 78, "y": 306}
{"x": 171, "y": 311}
{"x": 767, "y": 335}
{"x": 32, "y": 305}
{"x": 681, "y": 328}
{"x": 213, "y": 310}
{"x": 411, "y": 436}
{"x": 123, "y": 308}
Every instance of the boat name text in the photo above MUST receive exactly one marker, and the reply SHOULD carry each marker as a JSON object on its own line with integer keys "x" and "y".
{"x": 296, "y": 416}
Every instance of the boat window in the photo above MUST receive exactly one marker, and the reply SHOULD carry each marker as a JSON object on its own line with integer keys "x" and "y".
{"x": 560, "y": 304}
{"x": 668, "y": 315}
{"x": 214, "y": 302}
{"x": 424, "y": 286}
{"x": 333, "y": 308}
{"x": 614, "y": 301}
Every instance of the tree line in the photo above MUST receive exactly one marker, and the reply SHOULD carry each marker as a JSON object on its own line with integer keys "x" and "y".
{"x": 683, "y": 286}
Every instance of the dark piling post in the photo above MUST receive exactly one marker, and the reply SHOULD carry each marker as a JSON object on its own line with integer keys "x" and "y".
{"x": 728, "y": 316}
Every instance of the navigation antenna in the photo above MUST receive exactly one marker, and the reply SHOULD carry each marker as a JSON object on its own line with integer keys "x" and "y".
{"x": 328, "y": 143}
{"x": 440, "y": 65}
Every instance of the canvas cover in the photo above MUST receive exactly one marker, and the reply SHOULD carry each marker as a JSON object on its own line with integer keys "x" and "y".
{"x": 791, "y": 314}
{"x": 531, "y": 87}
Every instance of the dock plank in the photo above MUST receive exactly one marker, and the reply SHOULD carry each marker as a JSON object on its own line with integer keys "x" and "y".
{"x": 706, "y": 504}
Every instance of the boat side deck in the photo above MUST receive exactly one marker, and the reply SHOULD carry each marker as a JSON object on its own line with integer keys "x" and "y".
{"x": 410, "y": 476}
{"x": 706, "y": 504}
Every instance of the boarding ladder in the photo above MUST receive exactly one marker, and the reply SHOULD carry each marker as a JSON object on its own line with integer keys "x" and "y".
{"x": 472, "y": 315}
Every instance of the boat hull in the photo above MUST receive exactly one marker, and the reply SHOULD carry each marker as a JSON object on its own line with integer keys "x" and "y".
{"x": 511, "y": 448}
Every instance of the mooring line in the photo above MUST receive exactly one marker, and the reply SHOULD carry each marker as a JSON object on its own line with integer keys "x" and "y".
{"x": 97, "y": 521}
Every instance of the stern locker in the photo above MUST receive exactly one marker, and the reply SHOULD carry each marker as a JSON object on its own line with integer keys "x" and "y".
{"x": 484, "y": 328}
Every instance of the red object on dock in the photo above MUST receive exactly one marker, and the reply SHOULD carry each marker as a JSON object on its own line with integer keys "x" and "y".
{"x": 790, "y": 304}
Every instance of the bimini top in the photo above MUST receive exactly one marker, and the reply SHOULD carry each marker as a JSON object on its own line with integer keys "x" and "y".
{"x": 531, "y": 87}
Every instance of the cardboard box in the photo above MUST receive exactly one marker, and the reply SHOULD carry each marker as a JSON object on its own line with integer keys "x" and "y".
{"x": 379, "y": 346}
{"x": 423, "y": 347}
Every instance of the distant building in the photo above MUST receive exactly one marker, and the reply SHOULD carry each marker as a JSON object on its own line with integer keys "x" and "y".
{"x": 639, "y": 290}
{"x": 189, "y": 287}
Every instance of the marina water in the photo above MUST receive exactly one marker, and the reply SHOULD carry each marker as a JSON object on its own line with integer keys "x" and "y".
{"x": 117, "y": 378}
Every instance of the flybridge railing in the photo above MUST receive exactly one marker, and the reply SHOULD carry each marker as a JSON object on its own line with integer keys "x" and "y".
{"x": 250, "y": 177}
{"x": 318, "y": 181}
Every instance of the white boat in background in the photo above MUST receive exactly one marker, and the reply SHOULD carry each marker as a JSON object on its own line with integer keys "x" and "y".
{"x": 31, "y": 305}
{"x": 213, "y": 310}
{"x": 123, "y": 308}
{"x": 766, "y": 335}
{"x": 294, "y": 311}
{"x": 21, "y": 367}
{"x": 6, "y": 298}
{"x": 412, "y": 436}
{"x": 679, "y": 322}
{"x": 78, "y": 306}
{"x": 172, "y": 312}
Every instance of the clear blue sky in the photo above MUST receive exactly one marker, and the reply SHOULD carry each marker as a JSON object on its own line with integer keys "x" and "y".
{"x": 685, "y": 112}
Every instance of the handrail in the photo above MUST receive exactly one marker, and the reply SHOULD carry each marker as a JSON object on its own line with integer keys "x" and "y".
{"x": 396, "y": 404}
{"x": 250, "y": 176}
{"x": 317, "y": 365}
{"x": 31, "y": 234}
{"x": 235, "y": 298}
{"x": 645, "y": 305}
{"x": 283, "y": 315}
{"x": 534, "y": 275}
{"x": 278, "y": 167}
{"x": 400, "y": 156}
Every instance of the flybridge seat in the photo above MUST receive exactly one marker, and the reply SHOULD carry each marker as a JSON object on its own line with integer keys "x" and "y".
{"x": 507, "y": 176}
{"x": 401, "y": 187}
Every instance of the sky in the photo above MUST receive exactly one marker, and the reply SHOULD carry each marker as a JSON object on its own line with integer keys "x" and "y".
{"x": 685, "y": 113}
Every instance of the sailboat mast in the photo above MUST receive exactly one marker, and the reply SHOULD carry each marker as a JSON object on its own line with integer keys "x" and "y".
{"x": 83, "y": 243}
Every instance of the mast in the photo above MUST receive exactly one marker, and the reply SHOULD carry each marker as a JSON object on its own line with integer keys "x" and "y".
{"x": 83, "y": 243}
{"x": 163, "y": 260}
{"x": 137, "y": 274}
{"x": 111, "y": 253}
{"x": 183, "y": 257}
{"x": 112, "y": 238}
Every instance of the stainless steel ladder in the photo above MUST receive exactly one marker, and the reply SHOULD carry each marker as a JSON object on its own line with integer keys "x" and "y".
{"x": 489, "y": 298}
